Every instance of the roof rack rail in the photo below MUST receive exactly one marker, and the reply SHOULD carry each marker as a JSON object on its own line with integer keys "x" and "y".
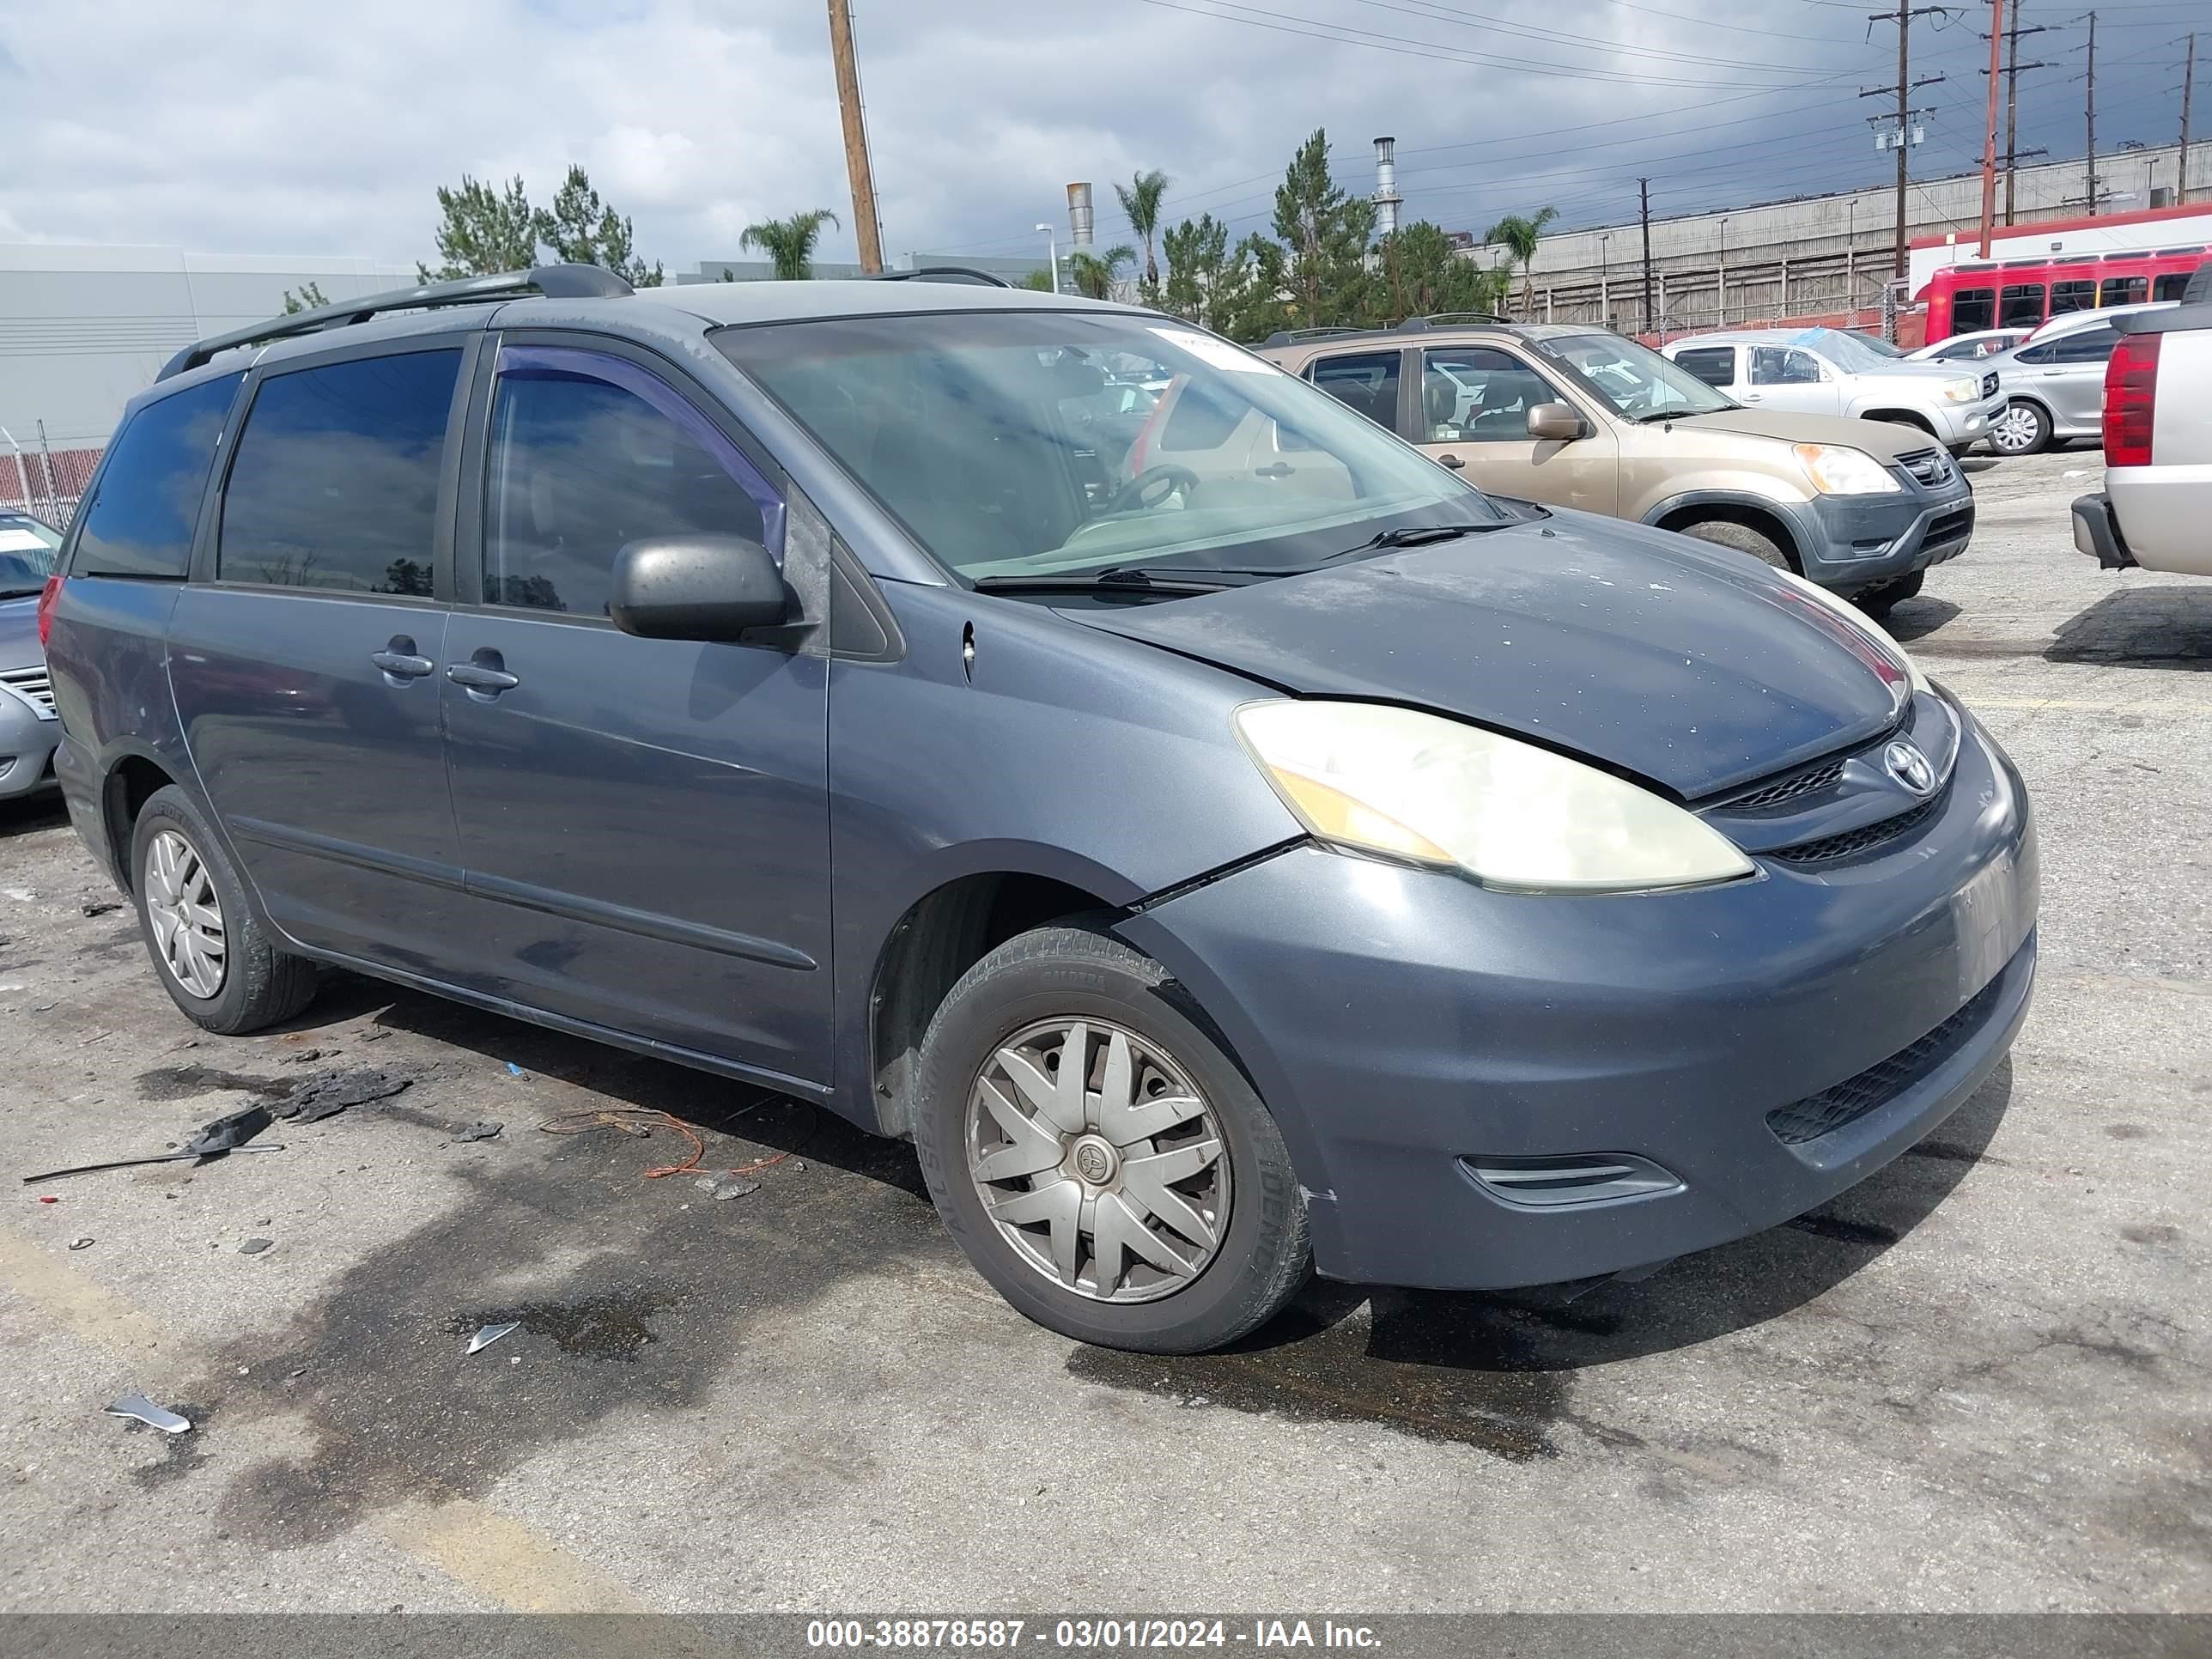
{"x": 965, "y": 273}
{"x": 1449, "y": 319}
{"x": 1282, "y": 336}
{"x": 553, "y": 281}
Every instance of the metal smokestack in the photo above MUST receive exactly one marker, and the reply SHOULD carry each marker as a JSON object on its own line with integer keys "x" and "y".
{"x": 1386, "y": 187}
{"x": 1079, "y": 215}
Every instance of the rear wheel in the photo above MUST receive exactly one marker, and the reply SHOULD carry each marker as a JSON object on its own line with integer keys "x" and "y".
{"x": 1727, "y": 532}
{"x": 2022, "y": 429}
{"x": 210, "y": 955}
{"x": 1099, "y": 1156}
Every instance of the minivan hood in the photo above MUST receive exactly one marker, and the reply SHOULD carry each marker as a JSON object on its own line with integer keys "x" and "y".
{"x": 1693, "y": 668}
{"x": 1883, "y": 440}
{"x": 19, "y": 633}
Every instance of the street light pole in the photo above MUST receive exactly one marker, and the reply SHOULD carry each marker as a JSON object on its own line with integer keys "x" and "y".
{"x": 1604, "y": 299}
{"x": 1720, "y": 276}
{"x": 1052, "y": 252}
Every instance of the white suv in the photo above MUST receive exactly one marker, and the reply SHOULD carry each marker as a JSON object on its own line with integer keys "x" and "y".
{"x": 1826, "y": 371}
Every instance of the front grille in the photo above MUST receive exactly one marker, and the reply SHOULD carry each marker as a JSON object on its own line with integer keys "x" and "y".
{"x": 1829, "y": 848}
{"x": 1949, "y": 528}
{"x": 1990, "y": 385}
{"x": 1929, "y": 467}
{"x": 33, "y": 684}
{"x": 1791, "y": 788}
{"x": 1855, "y": 1096}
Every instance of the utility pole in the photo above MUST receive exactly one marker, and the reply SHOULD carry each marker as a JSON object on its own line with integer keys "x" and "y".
{"x": 1643, "y": 196}
{"x": 1990, "y": 128}
{"x": 2012, "y": 152}
{"x": 863, "y": 177}
{"x": 2188, "y": 82}
{"x": 1906, "y": 86}
{"x": 2092, "y": 114}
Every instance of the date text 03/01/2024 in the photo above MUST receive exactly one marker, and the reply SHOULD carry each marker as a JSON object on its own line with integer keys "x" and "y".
{"x": 1088, "y": 1634}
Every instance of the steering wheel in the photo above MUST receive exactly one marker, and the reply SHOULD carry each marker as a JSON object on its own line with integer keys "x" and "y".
{"x": 1152, "y": 486}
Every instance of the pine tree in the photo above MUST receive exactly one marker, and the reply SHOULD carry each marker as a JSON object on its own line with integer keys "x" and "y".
{"x": 485, "y": 231}
{"x": 1325, "y": 234}
{"x": 581, "y": 230}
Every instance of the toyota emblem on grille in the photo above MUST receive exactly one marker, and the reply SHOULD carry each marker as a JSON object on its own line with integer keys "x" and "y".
{"x": 1909, "y": 767}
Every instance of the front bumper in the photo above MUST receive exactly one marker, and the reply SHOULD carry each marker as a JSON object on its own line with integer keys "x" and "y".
{"x": 1852, "y": 543}
{"x": 1960, "y": 424}
{"x": 27, "y": 741}
{"x": 1407, "y": 1027}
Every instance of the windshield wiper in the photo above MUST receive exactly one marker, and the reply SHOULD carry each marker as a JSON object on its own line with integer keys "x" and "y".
{"x": 1161, "y": 578}
{"x": 1420, "y": 535}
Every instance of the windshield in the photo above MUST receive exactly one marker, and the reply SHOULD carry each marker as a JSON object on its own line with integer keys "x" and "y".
{"x": 27, "y": 555}
{"x": 1849, "y": 352}
{"x": 1634, "y": 379}
{"x": 1881, "y": 348}
{"x": 1033, "y": 443}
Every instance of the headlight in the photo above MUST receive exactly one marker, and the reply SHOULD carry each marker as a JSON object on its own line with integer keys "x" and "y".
{"x": 1837, "y": 469}
{"x": 1968, "y": 390}
{"x": 1874, "y": 631}
{"x": 1418, "y": 786}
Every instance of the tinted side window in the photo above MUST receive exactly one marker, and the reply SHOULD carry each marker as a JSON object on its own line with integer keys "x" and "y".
{"x": 2090, "y": 345}
{"x": 589, "y": 452}
{"x": 1367, "y": 382}
{"x": 1973, "y": 309}
{"x": 140, "y": 523}
{"x": 2020, "y": 306}
{"x": 335, "y": 483}
{"x": 2169, "y": 286}
{"x": 2125, "y": 290}
{"x": 1714, "y": 365}
{"x": 2075, "y": 294}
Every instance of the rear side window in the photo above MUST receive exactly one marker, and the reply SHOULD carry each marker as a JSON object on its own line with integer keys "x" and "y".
{"x": 1973, "y": 309}
{"x": 1714, "y": 365}
{"x": 2089, "y": 345}
{"x": 1780, "y": 366}
{"x": 140, "y": 522}
{"x": 2169, "y": 287}
{"x": 335, "y": 481}
{"x": 1368, "y": 383}
{"x": 589, "y": 452}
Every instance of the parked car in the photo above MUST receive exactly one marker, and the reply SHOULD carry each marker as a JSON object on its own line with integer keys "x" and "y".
{"x": 1570, "y": 416}
{"x": 1213, "y": 880}
{"x": 1970, "y": 348}
{"x": 1828, "y": 371}
{"x": 28, "y": 730}
{"x": 2054, "y": 383}
{"x": 2156, "y": 508}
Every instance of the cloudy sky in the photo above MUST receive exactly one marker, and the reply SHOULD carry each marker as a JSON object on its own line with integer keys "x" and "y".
{"x": 264, "y": 127}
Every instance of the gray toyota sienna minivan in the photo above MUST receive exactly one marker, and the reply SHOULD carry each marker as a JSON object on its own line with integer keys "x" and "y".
{"x": 1227, "y": 843}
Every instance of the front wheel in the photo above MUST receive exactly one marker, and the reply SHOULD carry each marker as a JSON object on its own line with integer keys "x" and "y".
{"x": 1099, "y": 1156}
{"x": 1727, "y": 532}
{"x": 2022, "y": 429}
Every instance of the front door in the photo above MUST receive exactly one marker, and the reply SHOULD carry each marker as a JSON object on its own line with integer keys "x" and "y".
{"x": 1792, "y": 380}
{"x": 2074, "y": 377}
{"x": 1474, "y": 405}
{"x": 304, "y": 671}
{"x": 645, "y": 823}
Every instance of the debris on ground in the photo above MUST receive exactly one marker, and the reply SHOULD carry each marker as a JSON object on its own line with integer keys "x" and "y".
{"x": 637, "y": 1122}
{"x": 728, "y": 1184}
{"x": 49, "y": 1198}
{"x": 376, "y": 1034}
{"x": 514, "y": 1070}
{"x": 490, "y": 1334}
{"x": 328, "y": 1093}
{"x": 305, "y": 1057}
{"x": 99, "y": 907}
{"x": 482, "y": 1129}
{"x": 84, "y": 1243}
{"x": 139, "y": 1409}
{"x": 255, "y": 1246}
{"x": 225, "y": 1135}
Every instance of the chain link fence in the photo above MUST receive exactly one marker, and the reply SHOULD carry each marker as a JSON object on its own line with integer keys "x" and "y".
{"x": 42, "y": 478}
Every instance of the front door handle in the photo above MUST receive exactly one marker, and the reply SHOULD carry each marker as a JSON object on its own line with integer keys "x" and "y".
{"x": 484, "y": 675}
{"x": 1280, "y": 470}
{"x": 400, "y": 662}
{"x": 1451, "y": 461}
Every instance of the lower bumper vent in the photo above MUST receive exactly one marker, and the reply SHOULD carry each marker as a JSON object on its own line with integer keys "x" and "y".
{"x": 1552, "y": 1183}
{"x": 1883, "y": 1081}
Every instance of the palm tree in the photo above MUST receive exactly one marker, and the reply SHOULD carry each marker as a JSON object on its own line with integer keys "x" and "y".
{"x": 1140, "y": 200}
{"x": 1517, "y": 236}
{"x": 789, "y": 243}
{"x": 1095, "y": 274}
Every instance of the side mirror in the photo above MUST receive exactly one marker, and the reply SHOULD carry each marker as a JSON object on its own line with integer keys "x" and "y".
{"x": 696, "y": 587}
{"x": 1554, "y": 422}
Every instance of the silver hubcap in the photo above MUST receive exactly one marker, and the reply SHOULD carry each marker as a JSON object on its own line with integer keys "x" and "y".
{"x": 2015, "y": 429}
{"x": 1099, "y": 1160}
{"x": 185, "y": 914}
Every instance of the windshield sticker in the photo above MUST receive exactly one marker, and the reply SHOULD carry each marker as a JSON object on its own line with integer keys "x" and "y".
{"x": 1219, "y": 354}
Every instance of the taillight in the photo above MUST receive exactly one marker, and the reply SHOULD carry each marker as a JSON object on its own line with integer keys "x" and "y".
{"x": 47, "y": 601}
{"x": 2130, "y": 400}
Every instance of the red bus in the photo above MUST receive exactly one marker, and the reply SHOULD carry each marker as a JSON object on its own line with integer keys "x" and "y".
{"x": 2021, "y": 293}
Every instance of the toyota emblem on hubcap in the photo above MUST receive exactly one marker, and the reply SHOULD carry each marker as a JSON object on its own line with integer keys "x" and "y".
{"x": 1909, "y": 767}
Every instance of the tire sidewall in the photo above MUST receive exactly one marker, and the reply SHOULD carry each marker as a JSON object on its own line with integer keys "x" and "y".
{"x": 2035, "y": 445}
{"x": 975, "y": 1020}
{"x": 171, "y": 809}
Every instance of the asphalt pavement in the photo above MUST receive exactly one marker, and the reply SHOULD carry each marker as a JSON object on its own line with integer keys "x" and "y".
{"x": 1978, "y": 1382}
